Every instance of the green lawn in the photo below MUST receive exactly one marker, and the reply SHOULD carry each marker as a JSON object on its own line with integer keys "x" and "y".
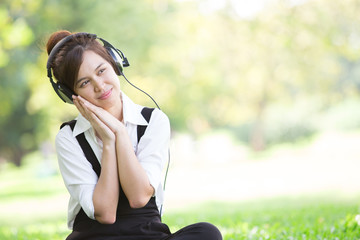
{"x": 267, "y": 219}
{"x": 281, "y": 218}
{"x": 25, "y": 213}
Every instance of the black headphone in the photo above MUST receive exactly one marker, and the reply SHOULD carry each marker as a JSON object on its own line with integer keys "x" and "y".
{"x": 64, "y": 92}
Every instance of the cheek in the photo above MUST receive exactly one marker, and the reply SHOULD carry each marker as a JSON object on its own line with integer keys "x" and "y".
{"x": 84, "y": 93}
{"x": 114, "y": 80}
{"x": 78, "y": 91}
{"x": 117, "y": 83}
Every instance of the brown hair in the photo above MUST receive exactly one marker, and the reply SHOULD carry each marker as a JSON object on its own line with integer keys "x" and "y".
{"x": 66, "y": 63}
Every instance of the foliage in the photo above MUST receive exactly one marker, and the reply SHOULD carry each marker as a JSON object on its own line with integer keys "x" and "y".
{"x": 18, "y": 128}
{"x": 208, "y": 67}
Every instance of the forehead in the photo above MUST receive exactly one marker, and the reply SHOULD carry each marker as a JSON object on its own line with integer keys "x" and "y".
{"x": 90, "y": 62}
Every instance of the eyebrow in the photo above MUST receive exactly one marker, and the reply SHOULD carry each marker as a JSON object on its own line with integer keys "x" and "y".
{"x": 79, "y": 80}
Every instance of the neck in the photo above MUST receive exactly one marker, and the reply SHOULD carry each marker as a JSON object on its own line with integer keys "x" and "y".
{"x": 118, "y": 114}
{"x": 117, "y": 110}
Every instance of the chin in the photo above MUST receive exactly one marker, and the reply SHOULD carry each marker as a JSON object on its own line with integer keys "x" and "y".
{"x": 111, "y": 103}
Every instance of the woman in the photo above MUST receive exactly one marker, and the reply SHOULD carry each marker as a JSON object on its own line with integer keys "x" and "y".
{"x": 122, "y": 200}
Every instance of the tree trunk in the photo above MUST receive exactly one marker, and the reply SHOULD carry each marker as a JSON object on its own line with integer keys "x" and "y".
{"x": 17, "y": 156}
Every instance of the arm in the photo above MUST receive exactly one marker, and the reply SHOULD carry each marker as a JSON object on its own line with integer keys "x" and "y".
{"x": 153, "y": 149}
{"x": 151, "y": 154}
{"x": 133, "y": 177}
{"x": 106, "y": 192}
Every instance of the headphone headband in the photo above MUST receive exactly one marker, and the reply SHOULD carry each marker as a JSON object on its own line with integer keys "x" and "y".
{"x": 62, "y": 90}
{"x": 62, "y": 42}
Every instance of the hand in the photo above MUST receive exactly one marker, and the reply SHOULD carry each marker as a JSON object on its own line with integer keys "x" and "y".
{"x": 112, "y": 122}
{"x": 95, "y": 116}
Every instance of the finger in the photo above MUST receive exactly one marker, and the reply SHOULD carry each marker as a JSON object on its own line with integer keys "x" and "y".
{"x": 88, "y": 114}
{"x": 84, "y": 111}
{"x": 77, "y": 104}
{"x": 79, "y": 107}
{"x": 89, "y": 105}
{"x": 100, "y": 127}
{"x": 101, "y": 114}
{"x": 83, "y": 100}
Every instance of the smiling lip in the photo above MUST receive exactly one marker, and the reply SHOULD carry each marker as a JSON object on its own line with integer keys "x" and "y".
{"x": 105, "y": 95}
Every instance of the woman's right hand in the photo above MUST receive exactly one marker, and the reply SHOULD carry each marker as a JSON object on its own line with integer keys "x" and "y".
{"x": 102, "y": 130}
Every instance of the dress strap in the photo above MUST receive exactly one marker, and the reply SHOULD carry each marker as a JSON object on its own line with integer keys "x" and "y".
{"x": 85, "y": 146}
{"x": 146, "y": 112}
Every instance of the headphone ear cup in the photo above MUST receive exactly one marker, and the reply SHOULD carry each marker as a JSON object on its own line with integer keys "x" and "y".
{"x": 64, "y": 93}
{"x": 118, "y": 60}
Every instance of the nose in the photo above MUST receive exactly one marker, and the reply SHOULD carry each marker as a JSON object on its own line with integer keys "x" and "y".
{"x": 99, "y": 85}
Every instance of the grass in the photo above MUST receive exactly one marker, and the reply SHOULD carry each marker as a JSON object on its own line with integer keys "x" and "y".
{"x": 304, "y": 218}
{"x": 278, "y": 218}
{"x": 25, "y": 195}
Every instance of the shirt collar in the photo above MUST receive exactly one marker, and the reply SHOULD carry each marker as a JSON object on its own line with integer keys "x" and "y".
{"x": 82, "y": 125}
{"x": 131, "y": 114}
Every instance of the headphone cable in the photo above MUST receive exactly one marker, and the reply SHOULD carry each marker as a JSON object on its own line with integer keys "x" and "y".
{"x": 122, "y": 74}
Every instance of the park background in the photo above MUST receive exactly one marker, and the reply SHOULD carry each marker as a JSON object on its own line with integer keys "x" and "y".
{"x": 263, "y": 97}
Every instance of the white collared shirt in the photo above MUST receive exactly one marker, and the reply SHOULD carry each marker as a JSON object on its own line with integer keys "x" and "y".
{"x": 80, "y": 178}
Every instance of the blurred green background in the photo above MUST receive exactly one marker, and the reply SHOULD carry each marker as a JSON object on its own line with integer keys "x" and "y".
{"x": 283, "y": 73}
{"x": 259, "y": 94}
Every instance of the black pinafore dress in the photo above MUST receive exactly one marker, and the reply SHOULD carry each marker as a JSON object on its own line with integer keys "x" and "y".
{"x": 131, "y": 224}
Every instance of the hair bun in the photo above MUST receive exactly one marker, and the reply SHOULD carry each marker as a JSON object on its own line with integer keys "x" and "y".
{"x": 55, "y": 38}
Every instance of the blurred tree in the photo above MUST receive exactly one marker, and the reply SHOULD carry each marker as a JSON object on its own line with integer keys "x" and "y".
{"x": 24, "y": 121}
{"x": 284, "y": 55}
{"x": 207, "y": 65}
{"x": 17, "y": 126}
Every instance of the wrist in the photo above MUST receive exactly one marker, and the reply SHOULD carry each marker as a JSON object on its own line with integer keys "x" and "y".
{"x": 120, "y": 130}
{"x": 109, "y": 144}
